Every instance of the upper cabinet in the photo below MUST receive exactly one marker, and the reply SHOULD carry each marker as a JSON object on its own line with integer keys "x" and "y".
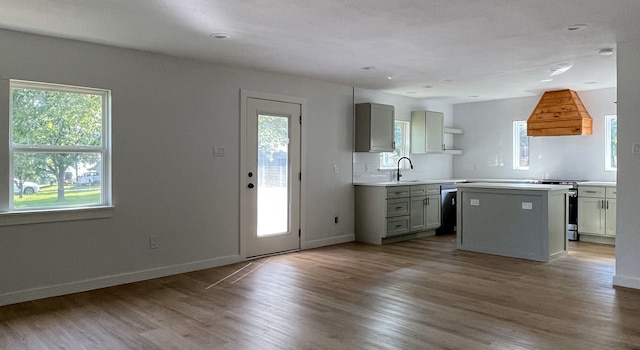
{"x": 374, "y": 127}
{"x": 427, "y": 129}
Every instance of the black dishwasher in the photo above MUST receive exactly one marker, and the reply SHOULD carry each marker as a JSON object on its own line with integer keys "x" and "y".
{"x": 448, "y": 194}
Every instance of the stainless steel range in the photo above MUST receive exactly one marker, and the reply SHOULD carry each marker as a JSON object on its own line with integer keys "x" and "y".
{"x": 572, "y": 227}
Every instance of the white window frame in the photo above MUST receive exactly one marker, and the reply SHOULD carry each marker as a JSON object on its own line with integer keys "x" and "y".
{"x": 402, "y": 147}
{"x": 11, "y": 216}
{"x": 517, "y": 125}
{"x": 608, "y": 119}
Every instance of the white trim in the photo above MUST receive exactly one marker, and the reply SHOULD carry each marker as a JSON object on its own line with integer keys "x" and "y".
{"x": 114, "y": 280}
{"x": 516, "y": 146}
{"x": 328, "y": 241}
{"x": 244, "y": 95}
{"x": 104, "y": 150}
{"x": 607, "y": 142}
{"x": 627, "y": 282}
{"x": 54, "y": 215}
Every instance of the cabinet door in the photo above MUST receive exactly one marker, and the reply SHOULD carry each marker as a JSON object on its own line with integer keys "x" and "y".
{"x": 590, "y": 215}
{"x": 418, "y": 213}
{"x": 611, "y": 217}
{"x": 433, "y": 212}
{"x": 374, "y": 127}
{"x": 427, "y": 130}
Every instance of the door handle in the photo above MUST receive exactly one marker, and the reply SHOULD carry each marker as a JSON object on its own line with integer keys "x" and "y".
{"x": 250, "y": 185}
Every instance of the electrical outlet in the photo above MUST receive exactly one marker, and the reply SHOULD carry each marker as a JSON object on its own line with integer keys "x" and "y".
{"x": 218, "y": 151}
{"x": 635, "y": 149}
{"x": 153, "y": 242}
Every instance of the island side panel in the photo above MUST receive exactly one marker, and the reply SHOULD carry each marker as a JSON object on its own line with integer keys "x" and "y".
{"x": 558, "y": 220}
{"x": 504, "y": 222}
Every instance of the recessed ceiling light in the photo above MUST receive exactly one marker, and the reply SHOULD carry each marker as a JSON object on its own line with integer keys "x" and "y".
{"x": 448, "y": 80}
{"x": 557, "y": 71}
{"x": 428, "y": 86}
{"x": 220, "y": 36}
{"x": 546, "y": 80}
{"x": 607, "y": 51}
{"x": 576, "y": 27}
{"x": 368, "y": 68}
{"x": 389, "y": 77}
{"x": 591, "y": 82}
{"x": 473, "y": 96}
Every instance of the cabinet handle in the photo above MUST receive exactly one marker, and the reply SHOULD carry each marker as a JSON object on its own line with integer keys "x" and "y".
{"x": 398, "y": 226}
{"x": 398, "y": 207}
{"x": 607, "y": 205}
{"x": 590, "y": 191}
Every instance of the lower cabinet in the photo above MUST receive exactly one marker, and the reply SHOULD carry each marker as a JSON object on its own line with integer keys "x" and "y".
{"x": 396, "y": 211}
{"x": 596, "y": 212}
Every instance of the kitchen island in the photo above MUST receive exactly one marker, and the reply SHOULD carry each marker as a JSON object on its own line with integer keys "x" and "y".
{"x": 520, "y": 220}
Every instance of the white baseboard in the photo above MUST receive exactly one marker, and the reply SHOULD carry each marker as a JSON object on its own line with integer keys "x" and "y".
{"x": 597, "y": 239}
{"x": 109, "y": 281}
{"x": 628, "y": 282}
{"x": 328, "y": 241}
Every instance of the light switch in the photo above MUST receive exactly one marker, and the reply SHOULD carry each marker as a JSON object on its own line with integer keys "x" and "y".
{"x": 527, "y": 205}
{"x": 475, "y": 202}
{"x": 336, "y": 170}
{"x": 636, "y": 148}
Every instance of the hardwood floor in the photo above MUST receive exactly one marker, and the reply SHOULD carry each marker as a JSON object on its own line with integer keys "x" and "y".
{"x": 420, "y": 294}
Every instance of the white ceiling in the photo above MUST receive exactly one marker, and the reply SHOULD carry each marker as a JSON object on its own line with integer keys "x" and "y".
{"x": 465, "y": 50}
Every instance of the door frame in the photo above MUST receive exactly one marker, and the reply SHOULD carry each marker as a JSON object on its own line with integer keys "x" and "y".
{"x": 244, "y": 95}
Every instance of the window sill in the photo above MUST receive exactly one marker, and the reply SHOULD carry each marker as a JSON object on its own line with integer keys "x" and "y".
{"x": 54, "y": 215}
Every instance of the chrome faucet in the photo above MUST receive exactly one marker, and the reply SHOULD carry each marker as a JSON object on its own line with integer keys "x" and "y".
{"x": 399, "y": 160}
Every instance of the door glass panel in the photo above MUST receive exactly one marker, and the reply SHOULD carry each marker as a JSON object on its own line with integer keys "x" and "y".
{"x": 273, "y": 175}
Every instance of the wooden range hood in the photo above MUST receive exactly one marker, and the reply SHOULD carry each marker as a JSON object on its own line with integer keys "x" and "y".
{"x": 559, "y": 113}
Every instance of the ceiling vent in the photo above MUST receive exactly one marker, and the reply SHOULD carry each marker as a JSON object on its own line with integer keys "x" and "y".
{"x": 559, "y": 113}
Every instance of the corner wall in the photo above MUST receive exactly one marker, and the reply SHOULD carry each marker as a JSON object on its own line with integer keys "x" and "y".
{"x": 628, "y": 199}
{"x": 167, "y": 115}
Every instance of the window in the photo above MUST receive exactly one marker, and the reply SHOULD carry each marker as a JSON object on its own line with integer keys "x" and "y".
{"x": 520, "y": 146}
{"x": 389, "y": 160}
{"x": 611, "y": 143}
{"x": 59, "y": 147}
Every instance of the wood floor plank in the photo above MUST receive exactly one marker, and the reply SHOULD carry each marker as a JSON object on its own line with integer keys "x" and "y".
{"x": 419, "y": 294}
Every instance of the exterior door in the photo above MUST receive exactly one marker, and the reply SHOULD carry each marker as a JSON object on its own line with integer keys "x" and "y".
{"x": 271, "y": 181}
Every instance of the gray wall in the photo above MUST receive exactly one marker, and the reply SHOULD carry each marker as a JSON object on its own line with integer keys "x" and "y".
{"x": 488, "y": 141}
{"x": 167, "y": 115}
{"x": 628, "y": 199}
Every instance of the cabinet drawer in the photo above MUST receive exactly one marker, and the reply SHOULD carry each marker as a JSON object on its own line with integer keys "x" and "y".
{"x": 398, "y": 207}
{"x": 433, "y": 189}
{"x": 397, "y": 226}
{"x": 591, "y": 191}
{"x": 398, "y": 191}
{"x": 418, "y": 190}
{"x": 611, "y": 192}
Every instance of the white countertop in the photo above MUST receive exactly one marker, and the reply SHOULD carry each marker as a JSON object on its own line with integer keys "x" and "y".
{"x": 410, "y": 182}
{"x": 598, "y": 183}
{"x": 514, "y": 186}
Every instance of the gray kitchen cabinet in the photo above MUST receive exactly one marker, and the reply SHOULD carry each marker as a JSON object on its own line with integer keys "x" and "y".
{"x": 596, "y": 211}
{"x": 374, "y": 127}
{"x": 427, "y": 130}
{"x": 433, "y": 212}
{"x": 393, "y": 213}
